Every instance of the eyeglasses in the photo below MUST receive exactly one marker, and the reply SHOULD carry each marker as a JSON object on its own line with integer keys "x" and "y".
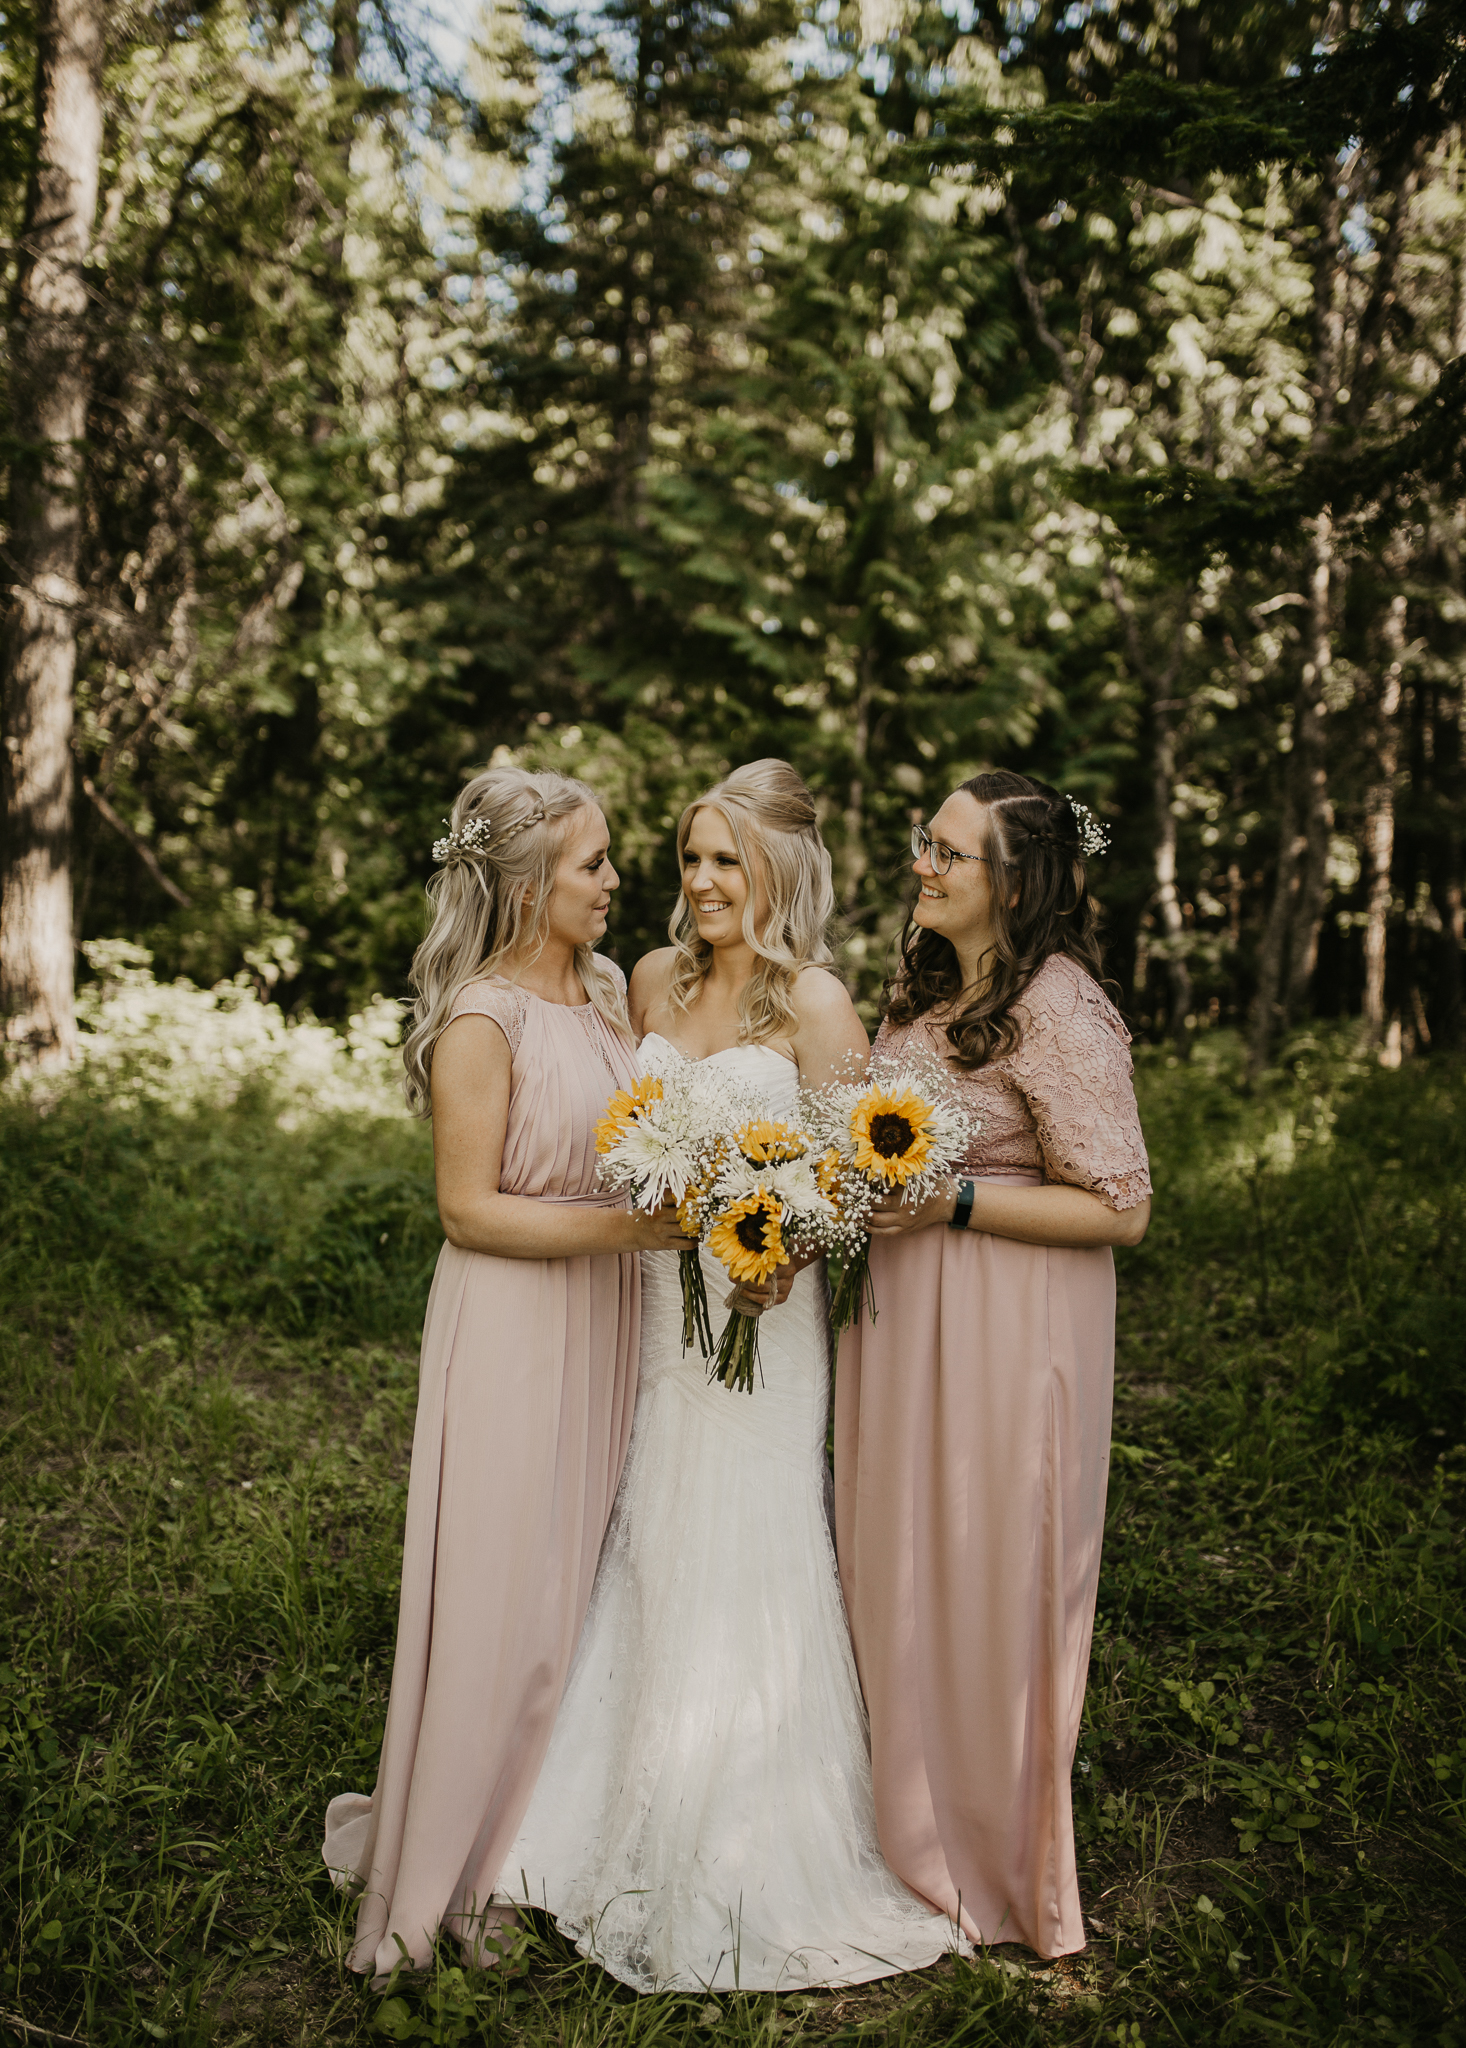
{"x": 940, "y": 856}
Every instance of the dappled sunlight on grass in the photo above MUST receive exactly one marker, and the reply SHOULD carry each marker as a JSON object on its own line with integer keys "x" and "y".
{"x": 209, "y": 1358}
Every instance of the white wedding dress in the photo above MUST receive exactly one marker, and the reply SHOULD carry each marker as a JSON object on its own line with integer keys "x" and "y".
{"x": 704, "y": 1816}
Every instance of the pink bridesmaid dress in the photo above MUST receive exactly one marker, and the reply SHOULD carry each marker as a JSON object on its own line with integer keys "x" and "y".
{"x": 528, "y": 1380}
{"x": 972, "y": 1438}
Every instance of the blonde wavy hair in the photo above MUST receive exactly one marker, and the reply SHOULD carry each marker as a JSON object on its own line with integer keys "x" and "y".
{"x": 490, "y": 901}
{"x": 772, "y": 820}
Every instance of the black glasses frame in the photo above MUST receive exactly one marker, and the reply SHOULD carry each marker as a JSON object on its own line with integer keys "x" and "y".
{"x": 923, "y": 843}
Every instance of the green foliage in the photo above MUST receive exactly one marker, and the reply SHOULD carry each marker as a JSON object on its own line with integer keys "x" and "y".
{"x": 207, "y": 1160}
{"x": 204, "y": 1477}
{"x": 684, "y": 386}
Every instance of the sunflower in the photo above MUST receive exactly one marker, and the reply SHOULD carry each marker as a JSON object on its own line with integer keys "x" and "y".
{"x": 892, "y": 1135}
{"x": 747, "y": 1237}
{"x": 622, "y": 1110}
{"x": 829, "y": 1174}
{"x": 766, "y": 1142}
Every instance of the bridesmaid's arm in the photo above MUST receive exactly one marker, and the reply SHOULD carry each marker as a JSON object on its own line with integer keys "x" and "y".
{"x": 470, "y": 1082}
{"x": 1057, "y": 1215}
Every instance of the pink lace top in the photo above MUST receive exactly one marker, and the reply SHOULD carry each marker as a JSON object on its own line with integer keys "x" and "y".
{"x": 1064, "y": 1101}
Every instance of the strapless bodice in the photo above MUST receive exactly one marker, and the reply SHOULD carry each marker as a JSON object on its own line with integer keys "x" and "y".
{"x": 758, "y": 1068}
{"x": 785, "y": 1416}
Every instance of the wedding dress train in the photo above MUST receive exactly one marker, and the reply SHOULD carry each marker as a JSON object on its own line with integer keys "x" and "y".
{"x": 704, "y": 1816}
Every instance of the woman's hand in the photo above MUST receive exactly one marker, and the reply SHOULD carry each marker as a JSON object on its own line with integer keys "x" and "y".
{"x": 657, "y": 1231}
{"x": 892, "y": 1217}
{"x": 748, "y": 1300}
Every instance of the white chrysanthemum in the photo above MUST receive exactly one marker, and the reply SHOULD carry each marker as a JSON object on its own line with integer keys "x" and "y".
{"x": 670, "y": 1141}
{"x": 656, "y": 1161}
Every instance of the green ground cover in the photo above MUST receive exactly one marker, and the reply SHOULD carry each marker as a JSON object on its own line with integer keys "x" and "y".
{"x": 206, "y": 1397}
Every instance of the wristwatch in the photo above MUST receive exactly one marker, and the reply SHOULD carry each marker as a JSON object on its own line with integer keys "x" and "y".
{"x": 962, "y": 1214}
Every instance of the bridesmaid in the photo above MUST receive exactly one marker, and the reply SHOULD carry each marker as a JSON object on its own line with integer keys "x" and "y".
{"x": 529, "y": 1353}
{"x": 972, "y": 1419}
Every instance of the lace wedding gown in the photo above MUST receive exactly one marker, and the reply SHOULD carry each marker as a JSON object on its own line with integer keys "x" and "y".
{"x": 704, "y": 1817}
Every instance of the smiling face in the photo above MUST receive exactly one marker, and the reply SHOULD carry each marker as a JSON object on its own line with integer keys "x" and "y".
{"x": 958, "y": 904}
{"x": 715, "y": 883}
{"x": 584, "y": 879}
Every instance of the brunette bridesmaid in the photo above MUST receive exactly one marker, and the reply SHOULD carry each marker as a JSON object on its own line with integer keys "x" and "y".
{"x": 972, "y": 1416}
{"x": 529, "y": 1353}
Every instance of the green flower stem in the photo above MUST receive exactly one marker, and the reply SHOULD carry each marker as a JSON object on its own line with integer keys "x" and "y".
{"x": 696, "y": 1322}
{"x": 856, "y": 1286}
{"x": 737, "y": 1359}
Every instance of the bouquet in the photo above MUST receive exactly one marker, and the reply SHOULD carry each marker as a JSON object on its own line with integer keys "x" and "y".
{"x": 661, "y": 1138}
{"x": 902, "y": 1128}
{"x": 763, "y": 1198}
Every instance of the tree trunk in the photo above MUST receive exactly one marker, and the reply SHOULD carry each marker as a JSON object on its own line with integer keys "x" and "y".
{"x": 1290, "y": 939}
{"x": 1448, "y": 769}
{"x": 1159, "y": 685}
{"x": 1265, "y": 1007}
{"x": 50, "y": 394}
{"x": 1168, "y": 900}
{"x": 1379, "y": 825}
{"x": 1310, "y": 757}
{"x": 341, "y": 133}
{"x": 855, "y": 858}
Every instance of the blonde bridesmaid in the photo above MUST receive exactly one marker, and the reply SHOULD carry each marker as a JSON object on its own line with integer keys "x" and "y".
{"x": 972, "y": 1416}
{"x": 529, "y": 1351}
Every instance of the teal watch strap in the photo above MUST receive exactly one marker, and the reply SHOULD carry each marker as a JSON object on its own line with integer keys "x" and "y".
{"x": 962, "y": 1214}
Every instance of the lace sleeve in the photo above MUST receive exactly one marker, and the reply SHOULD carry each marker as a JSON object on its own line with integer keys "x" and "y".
{"x": 506, "y": 1006}
{"x": 1074, "y": 1069}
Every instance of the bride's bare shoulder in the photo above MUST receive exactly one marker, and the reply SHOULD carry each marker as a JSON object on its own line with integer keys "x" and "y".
{"x": 828, "y": 1036}
{"x": 650, "y": 979}
{"x": 821, "y": 997}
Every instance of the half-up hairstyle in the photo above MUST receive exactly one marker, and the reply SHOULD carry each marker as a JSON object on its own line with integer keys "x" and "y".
{"x": 1033, "y": 839}
{"x": 490, "y": 900}
{"x": 774, "y": 827}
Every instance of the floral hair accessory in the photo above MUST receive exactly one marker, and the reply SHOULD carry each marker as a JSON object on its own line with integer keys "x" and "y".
{"x": 463, "y": 841}
{"x": 1093, "y": 838}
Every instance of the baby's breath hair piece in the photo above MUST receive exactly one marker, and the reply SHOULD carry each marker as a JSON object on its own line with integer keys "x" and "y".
{"x": 463, "y": 841}
{"x": 1093, "y": 838}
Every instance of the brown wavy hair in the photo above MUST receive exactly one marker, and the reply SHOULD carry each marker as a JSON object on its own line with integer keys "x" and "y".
{"x": 1032, "y": 836}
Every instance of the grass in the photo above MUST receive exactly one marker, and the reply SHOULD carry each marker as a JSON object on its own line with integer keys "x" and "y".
{"x": 208, "y": 1388}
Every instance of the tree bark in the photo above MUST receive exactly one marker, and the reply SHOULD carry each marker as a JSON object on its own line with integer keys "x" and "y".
{"x": 1167, "y": 896}
{"x": 50, "y": 394}
{"x": 1379, "y": 824}
{"x": 854, "y": 860}
{"x": 1159, "y": 685}
{"x": 341, "y": 134}
{"x": 1310, "y": 757}
{"x": 1290, "y": 939}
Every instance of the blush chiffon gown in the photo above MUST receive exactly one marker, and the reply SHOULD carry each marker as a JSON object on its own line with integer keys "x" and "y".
{"x": 972, "y": 1434}
{"x": 704, "y": 1818}
{"x": 526, "y": 1390}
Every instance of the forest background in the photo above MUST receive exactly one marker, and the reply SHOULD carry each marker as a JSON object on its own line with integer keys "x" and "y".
{"x": 902, "y": 392}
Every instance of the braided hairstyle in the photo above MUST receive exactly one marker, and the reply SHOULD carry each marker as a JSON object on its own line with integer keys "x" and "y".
{"x": 1035, "y": 840}
{"x": 490, "y": 900}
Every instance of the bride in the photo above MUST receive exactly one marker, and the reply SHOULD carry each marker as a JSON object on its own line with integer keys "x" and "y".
{"x": 704, "y": 1816}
